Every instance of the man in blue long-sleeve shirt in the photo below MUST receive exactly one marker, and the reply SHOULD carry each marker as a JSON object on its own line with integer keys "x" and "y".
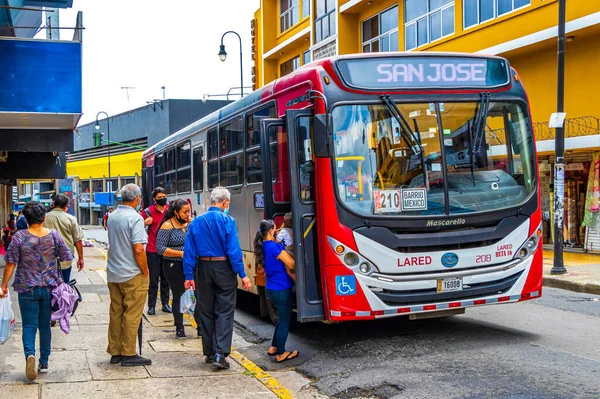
{"x": 212, "y": 260}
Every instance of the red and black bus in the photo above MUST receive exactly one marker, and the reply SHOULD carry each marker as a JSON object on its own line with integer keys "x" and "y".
{"x": 412, "y": 179}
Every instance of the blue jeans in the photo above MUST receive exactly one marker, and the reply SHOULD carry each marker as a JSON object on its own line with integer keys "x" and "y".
{"x": 282, "y": 299}
{"x": 35, "y": 314}
{"x": 66, "y": 274}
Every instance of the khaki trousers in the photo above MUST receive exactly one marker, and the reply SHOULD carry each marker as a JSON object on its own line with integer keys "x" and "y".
{"x": 126, "y": 306}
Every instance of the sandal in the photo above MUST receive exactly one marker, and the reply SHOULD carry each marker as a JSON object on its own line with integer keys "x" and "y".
{"x": 272, "y": 354}
{"x": 289, "y": 356}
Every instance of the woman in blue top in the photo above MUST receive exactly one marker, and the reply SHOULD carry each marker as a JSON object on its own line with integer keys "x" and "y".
{"x": 272, "y": 256}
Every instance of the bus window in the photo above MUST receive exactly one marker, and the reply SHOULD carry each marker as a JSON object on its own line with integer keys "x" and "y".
{"x": 232, "y": 139}
{"x": 184, "y": 171}
{"x": 159, "y": 170}
{"x": 305, "y": 159}
{"x": 213, "y": 144}
{"x": 254, "y": 172}
{"x": 213, "y": 173}
{"x": 198, "y": 169}
{"x": 170, "y": 172}
{"x": 232, "y": 170}
{"x": 253, "y": 125}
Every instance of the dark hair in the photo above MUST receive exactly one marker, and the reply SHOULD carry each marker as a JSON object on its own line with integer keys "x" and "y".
{"x": 287, "y": 219}
{"x": 175, "y": 205}
{"x": 34, "y": 212}
{"x": 61, "y": 201}
{"x": 263, "y": 229}
{"x": 158, "y": 190}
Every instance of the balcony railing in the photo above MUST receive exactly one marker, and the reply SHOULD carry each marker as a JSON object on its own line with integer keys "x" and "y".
{"x": 574, "y": 127}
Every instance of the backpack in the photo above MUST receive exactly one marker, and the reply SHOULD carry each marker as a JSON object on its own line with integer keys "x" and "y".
{"x": 22, "y": 224}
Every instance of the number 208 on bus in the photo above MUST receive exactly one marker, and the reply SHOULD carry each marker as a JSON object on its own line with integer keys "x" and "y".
{"x": 411, "y": 177}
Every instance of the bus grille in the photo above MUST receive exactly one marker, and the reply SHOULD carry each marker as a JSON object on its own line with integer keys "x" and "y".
{"x": 396, "y": 298}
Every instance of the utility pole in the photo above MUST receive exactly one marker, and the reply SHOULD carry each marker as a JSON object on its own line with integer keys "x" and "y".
{"x": 164, "y": 95}
{"x": 127, "y": 88}
{"x": 558, "y": 266}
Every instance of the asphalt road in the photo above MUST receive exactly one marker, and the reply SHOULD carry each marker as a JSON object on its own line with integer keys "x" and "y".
{"x": 546, "y": 348}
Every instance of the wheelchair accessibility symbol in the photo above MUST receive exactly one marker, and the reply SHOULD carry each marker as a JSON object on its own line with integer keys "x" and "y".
{"x": 345, "y": 285}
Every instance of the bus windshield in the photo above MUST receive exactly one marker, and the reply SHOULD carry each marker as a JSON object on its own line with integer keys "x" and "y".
{"x": 433, "y": 159}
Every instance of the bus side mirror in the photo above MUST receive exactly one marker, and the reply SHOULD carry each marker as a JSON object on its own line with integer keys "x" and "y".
{"x": 322, "y": 138}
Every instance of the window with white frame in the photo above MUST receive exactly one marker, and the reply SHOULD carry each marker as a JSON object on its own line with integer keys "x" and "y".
{"x": 305, "y": 8}
{"x": 478, "y": 11}
{"x": 380, "y": 32}
{"x": 427, "y": 21}
{"x": 289, "y": 14}
{"x": 325, "y": 22}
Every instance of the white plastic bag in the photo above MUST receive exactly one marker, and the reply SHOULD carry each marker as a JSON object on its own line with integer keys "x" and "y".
{"x": 188, "y": 302}
{"x": 7, "y": 319}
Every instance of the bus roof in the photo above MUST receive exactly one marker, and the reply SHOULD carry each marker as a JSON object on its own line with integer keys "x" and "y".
{"x": 266, "y": 92}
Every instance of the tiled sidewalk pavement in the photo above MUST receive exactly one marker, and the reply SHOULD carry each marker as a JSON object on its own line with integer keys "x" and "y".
{"x": 79, "y": 365}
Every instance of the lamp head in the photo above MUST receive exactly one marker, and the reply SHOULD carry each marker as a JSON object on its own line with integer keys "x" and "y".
{"x": 222, "y": 53}
{"x": 97, "y": 125}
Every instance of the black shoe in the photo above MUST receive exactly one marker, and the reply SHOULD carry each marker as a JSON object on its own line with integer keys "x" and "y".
{"x": 180, "y": 333}
{"x": 166, "y": 308}
{"x": 151, "y": 311}
{"x": 199, "y": 332}
{"x": 43, "y": 368}
{"x": 208, "y": 359}
{"x": 136, "y": 360}
{"x": 116, "y": 359}
{"x": 220, "y": 362}
{"x": 53, "y": 323}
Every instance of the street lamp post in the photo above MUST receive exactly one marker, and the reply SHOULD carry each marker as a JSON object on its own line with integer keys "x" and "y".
{"x": 558, "y": 266}
{"x": 97, "y": 126}
{"x": 223, "y": 57}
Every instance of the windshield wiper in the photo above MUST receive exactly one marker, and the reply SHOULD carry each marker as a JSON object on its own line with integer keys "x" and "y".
{"x": 411, "y": 138}
{"x": 481, "y": 122}
{"x": 477, "y": 132}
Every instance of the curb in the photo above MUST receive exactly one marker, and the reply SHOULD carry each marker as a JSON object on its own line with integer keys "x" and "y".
{"x": 586, "y": 288}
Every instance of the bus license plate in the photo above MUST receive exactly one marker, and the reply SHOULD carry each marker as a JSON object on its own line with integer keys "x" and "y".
{"x": 450, "y": 284}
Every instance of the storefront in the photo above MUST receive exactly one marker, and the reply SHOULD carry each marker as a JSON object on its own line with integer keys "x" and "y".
{"x": 582, "y": 180}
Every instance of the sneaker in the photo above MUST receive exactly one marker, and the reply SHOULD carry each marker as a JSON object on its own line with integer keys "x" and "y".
{"x": 116, "y": 359}
{"x": 43, "y": 367}
{"x": 208, "y": 359}
{"x": 180, "y": 333}
{"x": 135, "y": 360}
{"x": 220, "y": 362}
{"x": 30, "y": 373}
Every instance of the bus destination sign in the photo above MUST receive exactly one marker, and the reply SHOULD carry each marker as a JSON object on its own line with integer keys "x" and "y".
{"x": 424, "y": 72}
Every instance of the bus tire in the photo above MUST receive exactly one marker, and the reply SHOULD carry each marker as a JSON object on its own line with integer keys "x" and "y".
{"x": 271, "y": 310}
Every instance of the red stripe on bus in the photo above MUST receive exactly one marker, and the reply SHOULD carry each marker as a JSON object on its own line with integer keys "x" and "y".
{"x": 403, "y": 310}
{"x": 429, "y": 307}
{"x": 504, "y": 299}
{"x": 454, "y": 305}
{"x": 479, "y": 302}
{"x": 377, "y": 313}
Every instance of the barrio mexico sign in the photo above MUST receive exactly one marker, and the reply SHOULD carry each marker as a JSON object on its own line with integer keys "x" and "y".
{"x": 422, "y": 72}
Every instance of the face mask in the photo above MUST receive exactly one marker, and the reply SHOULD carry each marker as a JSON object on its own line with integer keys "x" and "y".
{"x": 162, "y": 201}
{"x": 226, "y": 211}
{"x": 181, "y": 221}
{"x": 138, "y": 207}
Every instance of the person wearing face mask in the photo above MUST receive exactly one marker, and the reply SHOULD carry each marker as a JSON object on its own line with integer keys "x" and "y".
{"x": 212, "y": 260}
{"x": 153, "y": 216}
{"x": 169, "y": 245}
{"x": 127, "y": 277}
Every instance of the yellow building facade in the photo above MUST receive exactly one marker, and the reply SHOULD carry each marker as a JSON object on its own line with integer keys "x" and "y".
{"x": 290, "y": 33}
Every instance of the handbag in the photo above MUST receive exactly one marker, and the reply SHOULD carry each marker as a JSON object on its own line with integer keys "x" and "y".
{"x": 71, "y": 283}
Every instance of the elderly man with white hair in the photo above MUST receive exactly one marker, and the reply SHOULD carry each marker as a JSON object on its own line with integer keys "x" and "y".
{"x": 212, "y": 260}
{"x": 127, "y": 276}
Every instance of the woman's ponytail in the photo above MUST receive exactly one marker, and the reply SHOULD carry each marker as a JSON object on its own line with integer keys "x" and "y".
{"x": 263, "y": 229}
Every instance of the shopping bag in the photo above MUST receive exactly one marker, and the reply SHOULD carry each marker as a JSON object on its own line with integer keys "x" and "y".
{"x": 7, "y": 319}
{"x": 188, "y": 302}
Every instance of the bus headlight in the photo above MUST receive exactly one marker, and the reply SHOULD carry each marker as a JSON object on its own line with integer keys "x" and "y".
{"x": 364, "y": 268}
{"x": 351, "y": 259}
{"x": 530, "y": 245}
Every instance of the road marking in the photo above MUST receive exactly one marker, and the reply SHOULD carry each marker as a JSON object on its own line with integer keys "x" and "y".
{"x": 262, "y": 376}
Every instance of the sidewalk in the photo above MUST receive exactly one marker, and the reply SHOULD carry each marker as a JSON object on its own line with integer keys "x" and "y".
{"x": 79, "y": 364}
{"x": 583, "y": 272}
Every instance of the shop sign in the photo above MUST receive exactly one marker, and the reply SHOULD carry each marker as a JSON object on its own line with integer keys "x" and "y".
{"x": 574, "y": 166}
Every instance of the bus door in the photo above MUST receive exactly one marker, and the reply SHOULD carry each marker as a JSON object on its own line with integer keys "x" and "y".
{"x": 309, "y": 297}
{"x": 275, "y": 197}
